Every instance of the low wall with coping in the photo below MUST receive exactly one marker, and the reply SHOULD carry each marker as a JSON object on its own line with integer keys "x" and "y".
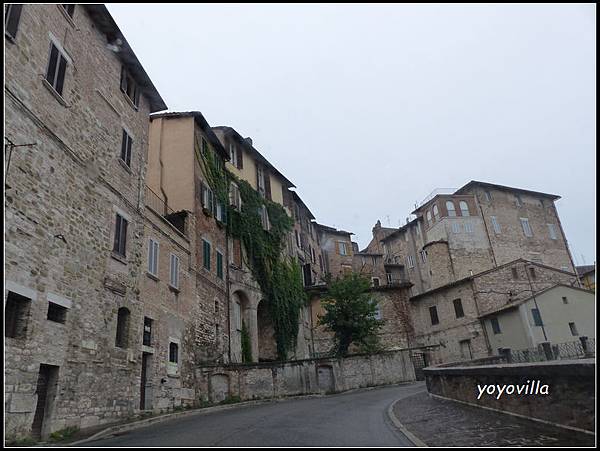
{"x": 568, "y": 400}
{"x": 312, "y": 376}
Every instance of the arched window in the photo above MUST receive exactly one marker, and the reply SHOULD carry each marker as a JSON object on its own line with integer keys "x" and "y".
{"x": 173, "y": 353}
{"x": 122, "y": 327}
{"x": 428, "y": 217}
{"x": 464, "y": 208}
{"x": 436, "y": 213}
{"x": 450, "y": 208}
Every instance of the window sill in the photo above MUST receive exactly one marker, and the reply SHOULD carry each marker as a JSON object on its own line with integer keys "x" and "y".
{"x": 56, "y": 95}
{"x": 9, "y": 38}
{"x": 124, "y": 166}
{"x": 120, "y": 258}
{"x": 174, "y": 289}
{"x": 152, "y": 276}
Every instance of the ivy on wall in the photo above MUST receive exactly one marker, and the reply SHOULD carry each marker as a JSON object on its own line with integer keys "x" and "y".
{"x": 279, "y": 277}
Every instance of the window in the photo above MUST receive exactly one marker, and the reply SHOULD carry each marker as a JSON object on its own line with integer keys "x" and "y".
{"x": 458, "y": 308}
{"x": 573, "y": 329}
{"x": 126, "y": 143}
{"x": 208, "y": 199}
{"x": 120, "y": 243}
{"x": 121, "y": 340}
{"x": 532, "y": 272}
{"x": 515, "y": 273}
{"x": 495, "y": 224}
{"x": 565, "y": 300}
{"x": 153, "y": 257}
{"x": 234, "y": 196}
{"x": 233, "y": 154}
{"x": 518, "y": 200}
{"x": 526, "y": 227}
{"x": 69, "y": 9}
{"x": 428, "y": 216}
{"x": 16, "y": 311}
{"x": 12, "y": 16}
{"x": 343, "y": 247}
{"x": 260, "y": 180}
{"x": 264, "y": 217}
{"x": 450, "y": 208}
{"x": 375, "y": 281}
{"x": 298, "y": 242}
{"x": 147, "y": 337}
{"x": 174, "y": 271}
{"x": 423, "y": 256}
{"x": 204, "y": 147}
{"x": 321, "y": 262}
{"x": 57, "y": 313}
{"x": 468, "y": 227}
{"x": 388, "y": 275}
{"x": 57, "y": 67}
{"x": 173, "y": 353}
{"x": 220, "y": 213}
{"x": 455, "y": 227}
{"x": 464, "y": 208}
{"x": 206, "y": 254}
{"x": 219, "y": 265}
{"x": 436, "y": 213}
{"x": 537, "y": 318}
{"x": 410, "y": 261}
{"x": 237, "y": 314}
{"x": 129, "y": 87}
{"x": 487, "y": 195}
{"x": 552, "y": 231}
{"x": 495, "y": 326}
{"x": 434, "y": 315}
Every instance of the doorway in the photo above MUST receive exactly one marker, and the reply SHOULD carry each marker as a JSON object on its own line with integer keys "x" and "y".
{"x": 144, "y": 392}
{"x": 46, "y": 392}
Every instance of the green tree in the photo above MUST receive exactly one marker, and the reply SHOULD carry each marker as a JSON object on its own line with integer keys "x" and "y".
{"x": 350, "y": 313}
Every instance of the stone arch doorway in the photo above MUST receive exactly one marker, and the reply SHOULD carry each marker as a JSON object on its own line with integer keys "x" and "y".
{"x": 267, "y": 346}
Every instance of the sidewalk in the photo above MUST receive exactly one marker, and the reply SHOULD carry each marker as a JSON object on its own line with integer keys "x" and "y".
{"x": 445, "y": 423}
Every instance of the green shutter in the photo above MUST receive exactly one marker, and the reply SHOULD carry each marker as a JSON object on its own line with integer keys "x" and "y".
{"x": 219, "y": 265}
{"x": 206, "y": 254}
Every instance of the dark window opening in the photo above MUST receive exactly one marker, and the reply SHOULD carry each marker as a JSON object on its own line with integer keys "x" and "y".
{"x": 129, "y": 87}
{"x": 57, "y": 313}
{"x": 495, "y": 326}
{"x": 121, "y": 340}
{"x": 12, "y": 16}
{"x": 532, "y": 272}
{"x": 515, "y": 273}
{"x": 573, "y": 328}
{"x": 458, "y": 308}
{"x": 120, "y": 236}
{"x": 16, "y": 312}
{"x": 537, "y": 318}
{"x": 147, "y": 339}
{"x": 126, "y": 143}
{"x": 434, "y": 315}
{"x": 57, "y": 67}
{"x": 173, "y": 353}
{"x": 69, "y": 9}
{"x": 206, "y": 254}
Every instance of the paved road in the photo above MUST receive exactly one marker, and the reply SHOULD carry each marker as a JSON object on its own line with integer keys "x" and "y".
{"x": 357, "y": 418}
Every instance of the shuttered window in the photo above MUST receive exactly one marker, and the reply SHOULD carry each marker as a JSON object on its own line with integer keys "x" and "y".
{"x": 56, "y": 70}
{"x": 219, "y": 265}
{"x": 12, "y": 17}
{"x": 174, "y": 271}
{"x": 206, "y": 254}
{"x": 153, "y": 257}
{"x": 120, "y": 242}
{"x": 129, "y": 86}
{"x": 126, "y": 143}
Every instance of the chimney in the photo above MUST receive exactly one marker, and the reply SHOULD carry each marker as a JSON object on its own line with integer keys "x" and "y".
{"x": 248, "y": 140}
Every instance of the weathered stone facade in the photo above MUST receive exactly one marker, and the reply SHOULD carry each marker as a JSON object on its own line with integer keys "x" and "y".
{"x": 63, "y": 196}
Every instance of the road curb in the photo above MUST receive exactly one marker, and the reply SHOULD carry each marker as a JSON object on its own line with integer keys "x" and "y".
{"x": 409, "y": 435}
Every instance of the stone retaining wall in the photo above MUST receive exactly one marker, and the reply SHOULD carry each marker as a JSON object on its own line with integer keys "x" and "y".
{"x": 569, "y": 402}
{"x": 312, "y": 376}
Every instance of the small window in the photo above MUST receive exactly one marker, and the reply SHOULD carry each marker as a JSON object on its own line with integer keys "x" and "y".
{"x": 234, "y": 196}
{"x": 126, "y": 143}
{"x": 436, "y": 212}
{"x": 495, "y": 224}
{"x": 423, "y": 256}
{"x": 57, "y": 68}
{"x": 573, "y": 329}
{"x": 208, "y": 199}
{"x": 260, "y": 180}
{"x": 455, "y": 227}
{"x": 12, "y": 16}
{"x": 153, "y": 257}
{"x": 518, "y": 200}
{"x": 173, "y": 352}
{"x": 495, "y": 326}
{"x": 129, "y": 87}
{"x": 69, "y": 9}
{"x": 565, "y": 300}
{"x": 451, "y": 209}
{"x": 458, "y": 308}
{"x": 515, "y": 273}
{"x": 120, "y": 242}
{"x": 16, "y": 311}
{"x": 526, "y": 227}
{"x": 428, "y": 216}
{"x": 464, "y": 208}
{"x": 219, "y": 265}
{"x": 410, "y": 260}
{"x": 57, "y": 313}
{"x": 434, "y": 315}
{"x": 532, "y": 272}
{"x": 147, "y": 338}
{"x": 264, "y": 217}
{"x": 552, "y": 232}
{"x": 233, "y": 155}
{"x": 375, "y": 281}
{"x": 121, "y": 340}
{"x": 204, "y": 147}
{"x": 206, "y": 254}
{"x": 537, "y": 318}
{"x": 468, "y": 227}
{"x": 487, "y": 195}
{"x": 174, "y": 271}
{"x": 343, "y": 247}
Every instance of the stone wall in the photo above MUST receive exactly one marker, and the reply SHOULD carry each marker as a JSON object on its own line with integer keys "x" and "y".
{"x": 273, "y": 380}
{"x": 571, "y": 389}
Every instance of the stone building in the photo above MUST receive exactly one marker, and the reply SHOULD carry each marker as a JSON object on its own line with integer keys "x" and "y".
{"x": 587, "y": 276}
{"x": 448, "y": 320}
{"x": 336, "y": 249}
{"x": 77, "y": 106}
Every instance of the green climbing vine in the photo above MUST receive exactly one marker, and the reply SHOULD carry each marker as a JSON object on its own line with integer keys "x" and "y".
{"x": 279, "y": 277}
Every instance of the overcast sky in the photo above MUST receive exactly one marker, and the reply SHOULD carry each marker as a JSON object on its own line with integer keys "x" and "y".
{"x": 367, "y": 109}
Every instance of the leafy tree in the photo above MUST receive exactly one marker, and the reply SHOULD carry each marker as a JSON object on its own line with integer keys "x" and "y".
{"x": 350, "y": 313}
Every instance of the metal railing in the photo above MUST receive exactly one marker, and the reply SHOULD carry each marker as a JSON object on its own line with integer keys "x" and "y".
{"x": 581, "y": 349}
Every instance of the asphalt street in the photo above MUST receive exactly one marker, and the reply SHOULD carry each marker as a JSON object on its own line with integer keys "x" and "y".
{"x": 357, "y": 418}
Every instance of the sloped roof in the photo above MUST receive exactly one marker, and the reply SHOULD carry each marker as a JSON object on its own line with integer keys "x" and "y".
{"x": 473, "y": 183}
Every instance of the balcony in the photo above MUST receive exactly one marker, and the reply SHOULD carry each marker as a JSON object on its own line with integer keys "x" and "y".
{"x": 176, "y": 218}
